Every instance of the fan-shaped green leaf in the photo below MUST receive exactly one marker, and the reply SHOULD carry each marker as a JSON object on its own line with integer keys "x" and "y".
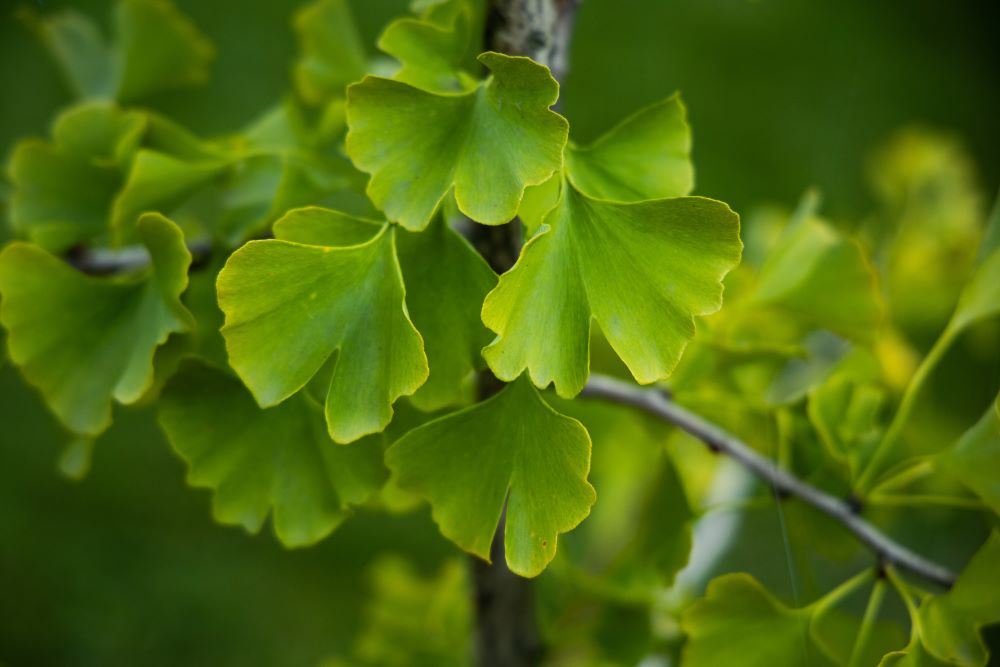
{"x": 511, "y": 447}
{"x": 950, "y": 622}
{"x": 430, "y": 55}
{"x": 487, "y": 145}
{"x": 158, "y": 181}
{"x": 84, "y": 341}
{"x": 289, "y": 307}
{"x": 646, "y": 156}
{"x": 446, "y": 282}
{"x": 975, "y": 458}
{"x": 158, "y": 49}
{"x": 740, "y": 623}
{"x": 332, "y": 52}
{"x": 643, "y": 270}
{"x": 257, "y": 460}
{"x": 821, "y": 277}
{"x": 59, "y": 200}
{"x": 79, "y": 50}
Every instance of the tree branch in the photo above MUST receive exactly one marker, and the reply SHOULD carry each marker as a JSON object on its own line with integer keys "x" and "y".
{"x": 103, "y": 261}
{"x": 656, "y": 403}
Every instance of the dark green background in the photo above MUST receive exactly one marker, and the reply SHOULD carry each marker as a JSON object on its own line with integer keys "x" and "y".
{"x": 126, "y": 567}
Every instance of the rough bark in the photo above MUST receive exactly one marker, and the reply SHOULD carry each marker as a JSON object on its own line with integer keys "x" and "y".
{"x": 506, "y": 625}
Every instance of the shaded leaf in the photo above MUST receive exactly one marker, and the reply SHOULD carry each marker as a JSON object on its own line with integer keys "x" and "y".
{"x": 158, "y": 49}
{"x": 975, "y": 458}
{"x": 740, "y": 623}
{"x": 511, "y": 447}
{"x": 257, "y": 461}
{"x": 950, "y": 623}
{"x": 83, "y": 341}
{"x": 332, "y": 53}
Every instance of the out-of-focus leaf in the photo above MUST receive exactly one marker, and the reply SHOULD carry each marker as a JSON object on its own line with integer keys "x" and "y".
{"x": 256, "y": 460}
{"x": 975, "y": 458}
{"x": 739, "y": 623}
{"x": 332, "y": 52}
{"x": 820, "y": 277}
{"x": 511, "y": 447}
{"x": 416, "y": 621}
{"x": 158, "y": 49}
{"x": 950, "y": 623}
{"x": 822, "y": 352}
{"x": 639, "y": 535}
{"x": 85, "y": 341}
{"x": 79, "y": 50}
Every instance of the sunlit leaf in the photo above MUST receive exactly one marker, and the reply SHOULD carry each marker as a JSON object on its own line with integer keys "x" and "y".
{"x": 646, "y": 156}
{"x": 641, "y": 270}
{"x": 85, "y": 341}
{"x": 487, "y": 145}
{"x": 258, "y": 461}
{"x": 511, "y": 447}
{"x": 446, "y": 281}
{"x": 290, "y": 307}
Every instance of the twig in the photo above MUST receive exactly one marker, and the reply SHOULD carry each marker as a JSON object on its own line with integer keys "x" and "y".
{"x": 655, "y": 403}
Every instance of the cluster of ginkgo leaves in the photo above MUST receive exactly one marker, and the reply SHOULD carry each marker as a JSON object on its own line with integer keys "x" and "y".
{"x": 329, "y": 253}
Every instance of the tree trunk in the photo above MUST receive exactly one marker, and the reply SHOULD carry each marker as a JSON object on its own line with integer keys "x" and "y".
{"x": 506, "y": 626}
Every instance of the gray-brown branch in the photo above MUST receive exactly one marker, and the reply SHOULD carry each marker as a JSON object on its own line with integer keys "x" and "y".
{"x": 657, "y": 404}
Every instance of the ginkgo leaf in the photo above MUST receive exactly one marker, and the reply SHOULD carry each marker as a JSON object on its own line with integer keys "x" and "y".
{"x": 950, "y": 622}
{"x": 487, "y": 144}
{"x": 158, "y": 181}
{"x": 739, "y": 623}
{"x": 84, "y": 341}
{"x": 646, "y": 156}
{"x": 258, "y": 460}
{"x": 975, "y": 458}
{"x": 638, "y": 536}
{"x": 58, "y": 199}
{"x": 446, "y": 281}
{"x": 289, "y": 307}
{"x": 332, "y": 52}
{"x": 79, "y": 50}
{"x": 821, "y": 277}
{"x": 99, "y": 132}
{"x": 511, "y": 447}
{"x": 158, "y": 49}
{"x": 642, "y": 270}
{"x": 980, "y": 299}
{"x": 430, "y": 55}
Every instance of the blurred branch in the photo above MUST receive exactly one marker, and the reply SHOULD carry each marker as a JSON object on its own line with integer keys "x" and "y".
{"x": 657, "y": 404}
{"x": 104, "y": 261}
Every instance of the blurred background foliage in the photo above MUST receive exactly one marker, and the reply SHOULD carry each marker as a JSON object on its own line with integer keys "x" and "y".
{"x": 881, "y": 105}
